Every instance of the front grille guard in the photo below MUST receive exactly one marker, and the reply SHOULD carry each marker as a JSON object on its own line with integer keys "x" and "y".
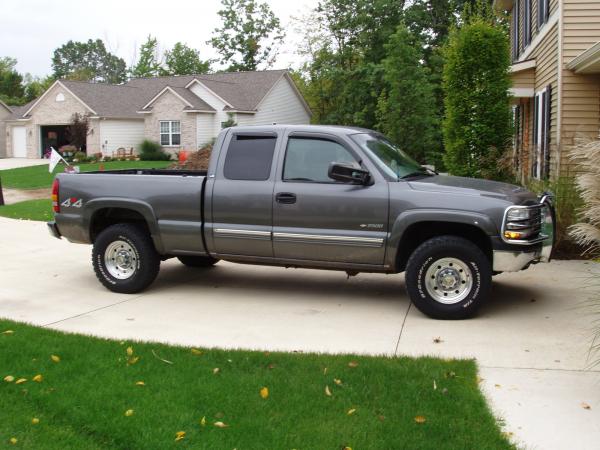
{"x": 544, "y": 230}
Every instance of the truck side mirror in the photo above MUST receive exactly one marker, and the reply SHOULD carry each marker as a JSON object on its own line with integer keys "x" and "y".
{"x": 348, "y": 173}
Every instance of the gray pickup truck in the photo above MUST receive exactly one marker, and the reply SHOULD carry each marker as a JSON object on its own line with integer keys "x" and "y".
{"x": 320, "y": 197}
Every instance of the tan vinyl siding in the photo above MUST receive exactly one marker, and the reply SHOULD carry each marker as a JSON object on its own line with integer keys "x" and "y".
{"x": 546, "y": 73}
{"x": 581, "y": 93}
{"x": 523, "y": 79}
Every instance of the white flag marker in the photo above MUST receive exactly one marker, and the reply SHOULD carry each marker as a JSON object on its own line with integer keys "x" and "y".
{"x": 55, "y": 158}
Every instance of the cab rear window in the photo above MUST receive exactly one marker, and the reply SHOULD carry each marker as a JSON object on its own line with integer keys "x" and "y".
{"x": 249, "y": 157}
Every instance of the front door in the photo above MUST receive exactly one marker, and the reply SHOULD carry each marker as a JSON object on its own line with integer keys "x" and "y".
{"x": 242, "y": 208}
{"x": 316, "y": 218}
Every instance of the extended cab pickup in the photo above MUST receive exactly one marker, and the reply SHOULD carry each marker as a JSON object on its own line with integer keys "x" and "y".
{"x": 309, "y": 196}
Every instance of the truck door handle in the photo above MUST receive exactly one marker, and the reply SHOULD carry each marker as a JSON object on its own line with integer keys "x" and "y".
{"x": 285, "y": 197}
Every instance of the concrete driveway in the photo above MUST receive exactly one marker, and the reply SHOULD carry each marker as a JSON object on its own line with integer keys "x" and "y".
{"x": 531, "y": 341}
{"x": 13, "y": 163}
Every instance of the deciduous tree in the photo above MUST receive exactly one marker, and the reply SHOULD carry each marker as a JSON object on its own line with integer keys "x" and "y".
{"x": 249, "y": 36}
{"x": 88, "y": 61}
{"x": 149, "y": 62}
{"x": 183, "y": 60}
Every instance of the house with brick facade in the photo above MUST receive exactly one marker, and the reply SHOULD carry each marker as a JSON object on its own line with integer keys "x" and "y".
{"x": 179, "y": 112}
{"x": 555, "y": 74}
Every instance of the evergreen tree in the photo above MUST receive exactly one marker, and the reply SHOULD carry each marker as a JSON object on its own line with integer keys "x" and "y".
{"x": 477, "y": 127}
{"x": 406, "y": 109}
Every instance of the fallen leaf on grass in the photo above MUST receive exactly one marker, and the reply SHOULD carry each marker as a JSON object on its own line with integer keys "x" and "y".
{"x": 132, "y": 360}
{"x": 434, "y": 385}
{"x": 337, "y": 381}
{"x": 221, "y": 425}
{"x": 327, "y": 391}
{"x": 35, "y": 421}
{"x": 353, "y": 364}
{"x": 55, "y": 358}
{"x": 271, "y": 366}
{"x": 507, "y": 434}
{"x": 21, "y": 381}
{"x": 584, "y": 405}
{"x": 420, "y": 419}
{"x": 196, "y": 352}
{"x": 346, "y": 448}
{"x": 129, "y": 351}
{"x": 179, "y": 435}
{"x": 351, "y": 411}
{"x": 129, "y": 413}
{"x": 203, "y": 421}
{"x": 140, "y": 383}
{"x": 216, "y": 370}
{"x": 479, "y": 379}
{"x": 264, "y": 392}
{"x": 9, "y": 378}
{"x": 38, "y": 378}
{"x": 13, "y": 440}
{"x": 325, "y": 371}
{"x": 8, "y": 332}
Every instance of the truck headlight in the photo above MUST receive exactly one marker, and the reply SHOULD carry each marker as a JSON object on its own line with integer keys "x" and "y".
{"x": 519, "y": 214}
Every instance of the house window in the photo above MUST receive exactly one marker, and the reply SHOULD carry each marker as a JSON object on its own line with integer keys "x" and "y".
{"x": 543, "y": 12}
{"x": 527, "y": 23}
{"x": 515, "y": 30}
{"x": 540, "y": 167}
{"x": 170, "y": 133}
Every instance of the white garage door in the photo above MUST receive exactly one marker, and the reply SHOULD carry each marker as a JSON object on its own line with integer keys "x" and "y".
{"x": 115, "y": 134}
{"x": 19, "y": 143}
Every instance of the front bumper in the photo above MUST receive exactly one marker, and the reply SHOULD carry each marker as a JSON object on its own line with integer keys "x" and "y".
{"x": 53, "y": 229}
{"x": 515, "y": 260}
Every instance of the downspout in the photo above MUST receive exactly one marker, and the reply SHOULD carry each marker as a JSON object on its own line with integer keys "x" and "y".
{"x": 560, "y": 89}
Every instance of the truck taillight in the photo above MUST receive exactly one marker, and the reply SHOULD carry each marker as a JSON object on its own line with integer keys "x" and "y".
{"x": 55, "y": 204}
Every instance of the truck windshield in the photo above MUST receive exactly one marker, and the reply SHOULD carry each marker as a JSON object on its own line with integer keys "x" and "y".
{"x": 389, "y": 157}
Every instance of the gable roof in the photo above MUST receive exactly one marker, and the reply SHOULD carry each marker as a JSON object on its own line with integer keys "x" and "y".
{"x": 8, "y": 108}
{"x": 242, "y": 91}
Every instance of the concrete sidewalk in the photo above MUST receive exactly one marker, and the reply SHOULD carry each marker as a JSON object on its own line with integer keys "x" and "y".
{"x": 531, "y": 341}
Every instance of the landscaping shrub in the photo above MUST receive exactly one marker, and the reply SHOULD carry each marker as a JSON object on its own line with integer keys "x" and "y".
{"x": 80, "y": 157}
{"x": 586, "y": 155}
{"x": 152, "y": 151}
{"x": 566, "y": 203}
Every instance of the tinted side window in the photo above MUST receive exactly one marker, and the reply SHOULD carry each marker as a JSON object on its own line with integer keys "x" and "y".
{"x": 308, "y": 159}
{"x": 249, "y": 157}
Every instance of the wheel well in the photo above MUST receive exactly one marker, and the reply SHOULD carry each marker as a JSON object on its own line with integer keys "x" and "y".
{"x": 103, "y": 218}
{"x": 417, "y": 233}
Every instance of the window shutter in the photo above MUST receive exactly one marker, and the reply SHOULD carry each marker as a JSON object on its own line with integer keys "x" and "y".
{"x": 548, "y": 121}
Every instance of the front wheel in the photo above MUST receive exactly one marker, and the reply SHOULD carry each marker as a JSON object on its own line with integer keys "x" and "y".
{"x": 448, "y": 277}
{"x": 124, "y": 258}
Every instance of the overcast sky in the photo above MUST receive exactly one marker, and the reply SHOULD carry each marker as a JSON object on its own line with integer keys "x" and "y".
{"x": 30, "y": 30}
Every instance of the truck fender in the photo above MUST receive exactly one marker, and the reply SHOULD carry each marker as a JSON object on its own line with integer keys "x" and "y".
{"x": 411, "y": 217}
{"x": 143, "y": 208}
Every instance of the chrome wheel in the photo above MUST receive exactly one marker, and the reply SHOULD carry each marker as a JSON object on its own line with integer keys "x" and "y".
{"x": 120, "y": 260}
{"x": 448, "y": 280}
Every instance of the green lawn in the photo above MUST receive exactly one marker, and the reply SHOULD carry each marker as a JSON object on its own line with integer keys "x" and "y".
{"x": 29, "y": 210}
{"x": 83, "y": 399}
{"x": 35, "y": 177}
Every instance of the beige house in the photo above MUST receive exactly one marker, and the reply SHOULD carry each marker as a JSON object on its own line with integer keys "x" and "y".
{"x": 556, "y": 81}
{"x": 179, "y": 112}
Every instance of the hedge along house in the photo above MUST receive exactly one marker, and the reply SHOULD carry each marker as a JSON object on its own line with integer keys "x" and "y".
{"x": 555, "y": 74}
{"x": 179, "y": 112}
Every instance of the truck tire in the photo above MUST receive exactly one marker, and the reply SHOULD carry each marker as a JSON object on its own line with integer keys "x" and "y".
{"x": 448, "y": 277}
{"x": 197, "y": 261}
{"x": 124, "y": 258}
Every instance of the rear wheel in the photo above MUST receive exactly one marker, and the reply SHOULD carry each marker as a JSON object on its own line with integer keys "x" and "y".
{"x": 124, "y": 258}
{"x": 448, "y": 277}
{"x": 197, "y": 261}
